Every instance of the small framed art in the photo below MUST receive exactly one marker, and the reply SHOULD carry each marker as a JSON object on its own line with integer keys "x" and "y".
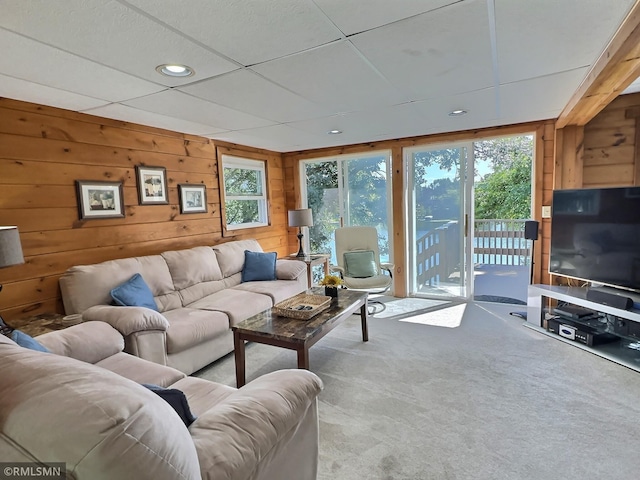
{"x": 98, "y": 199}
{"x": 193, "y": 198}
{"x": 152, "y": 185}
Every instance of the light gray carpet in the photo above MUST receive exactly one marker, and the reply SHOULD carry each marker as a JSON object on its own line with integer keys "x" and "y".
{"x": 463, "y": 394}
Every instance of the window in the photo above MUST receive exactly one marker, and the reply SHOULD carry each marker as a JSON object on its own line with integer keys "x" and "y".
{"x": 245, "y": 193}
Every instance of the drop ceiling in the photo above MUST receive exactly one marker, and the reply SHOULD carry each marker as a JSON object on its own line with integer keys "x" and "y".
{"x": 279, "y": 74}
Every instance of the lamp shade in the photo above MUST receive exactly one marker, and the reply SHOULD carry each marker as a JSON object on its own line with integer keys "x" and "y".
{"x": 10, "y": 248}
{"x": 300, "y": 218}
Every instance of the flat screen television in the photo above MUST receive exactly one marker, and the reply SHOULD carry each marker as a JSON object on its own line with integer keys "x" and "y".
{"x": 595, "y": 236}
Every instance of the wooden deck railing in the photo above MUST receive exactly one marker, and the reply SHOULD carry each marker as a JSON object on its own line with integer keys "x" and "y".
{"x": 496, "y": 242}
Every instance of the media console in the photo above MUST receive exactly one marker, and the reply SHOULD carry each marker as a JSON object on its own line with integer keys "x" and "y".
{"x": 571, "y": 315}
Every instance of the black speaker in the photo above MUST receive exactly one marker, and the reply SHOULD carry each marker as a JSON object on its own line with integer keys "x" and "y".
{"x": 531, "y": 230}
{"x": 610, "y": 299}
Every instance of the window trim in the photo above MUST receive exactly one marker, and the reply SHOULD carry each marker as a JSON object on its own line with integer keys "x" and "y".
{"x": 260, "y": 165}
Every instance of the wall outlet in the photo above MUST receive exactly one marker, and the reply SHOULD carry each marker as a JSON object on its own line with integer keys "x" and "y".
{"x": 546, "y": 211}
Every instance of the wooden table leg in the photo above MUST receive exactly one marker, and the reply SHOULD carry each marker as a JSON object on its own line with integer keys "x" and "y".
{"x": 303, "y": 358}
{"x": 363, "y": 317}
{"x": 238, "y": 349}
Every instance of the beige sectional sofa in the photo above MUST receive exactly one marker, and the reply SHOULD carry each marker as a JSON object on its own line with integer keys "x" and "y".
{"x": 199, "y": 295}
{"x": 83, "y": 405}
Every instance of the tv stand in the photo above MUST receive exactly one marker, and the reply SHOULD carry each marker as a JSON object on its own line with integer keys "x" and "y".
{"x": 606, "y": 320}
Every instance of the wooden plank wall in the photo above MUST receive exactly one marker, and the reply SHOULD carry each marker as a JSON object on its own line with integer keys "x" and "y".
{"x": 43, "y": 150}
{"x": 603, "y": 153}
{"x": 542, "y": 190}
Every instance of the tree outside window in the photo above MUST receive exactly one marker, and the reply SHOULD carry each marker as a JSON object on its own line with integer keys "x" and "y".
{"x": 245, "y": 193}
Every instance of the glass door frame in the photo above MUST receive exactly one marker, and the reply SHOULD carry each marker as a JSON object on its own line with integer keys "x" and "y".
{"x": 466, "y": 214}
{"x": 343, "y": 190}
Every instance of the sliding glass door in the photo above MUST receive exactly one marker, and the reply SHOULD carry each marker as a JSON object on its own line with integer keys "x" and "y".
{"x": 438, "y": 216}
{"x": 347, "y": 190}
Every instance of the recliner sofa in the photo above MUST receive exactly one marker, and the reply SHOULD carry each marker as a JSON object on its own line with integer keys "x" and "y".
{"x": 83, "y": 405}
{"x": 199, "y": 294}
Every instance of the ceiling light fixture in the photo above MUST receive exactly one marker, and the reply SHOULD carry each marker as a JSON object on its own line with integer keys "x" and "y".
{"x": 457, "y": 113}
{"x": 175, "y": 70}
{"x": 334, "y": 132}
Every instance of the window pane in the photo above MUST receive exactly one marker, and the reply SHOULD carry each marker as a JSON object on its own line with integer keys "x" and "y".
{"x": 240, "y": 182}
{"x": 242, "y": 211}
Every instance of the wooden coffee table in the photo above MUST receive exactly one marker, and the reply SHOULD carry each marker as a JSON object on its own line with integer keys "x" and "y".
{"x": 294, "y": 334}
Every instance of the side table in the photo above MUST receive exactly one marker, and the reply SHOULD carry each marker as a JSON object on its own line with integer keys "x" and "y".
{"x": 312, "y": 261}
{"x": 39, "y": 324}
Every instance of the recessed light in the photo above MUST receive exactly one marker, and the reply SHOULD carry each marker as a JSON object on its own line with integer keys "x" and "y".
{"x": 175, "y": 70}
{"x": 334, "y": 132}
{"x": 457, "y": 113}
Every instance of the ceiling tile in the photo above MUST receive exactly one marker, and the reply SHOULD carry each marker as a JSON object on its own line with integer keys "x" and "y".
{"x": 115, "y": 35}
{"x": 248, "y": 92}
{"x": 547, "y": 36}
{"x": 32, "y": 92}
{"x": 125, "y": 113}
{"x": 539, "y": 98}
{"x": 30, "y": 60}
{"x": 333, "y": 75}
{"x": 442, "y": 52}
{"x": 248, "y": 31}
{"x": 180, "y": 105}
{"x": 355, "y": 17}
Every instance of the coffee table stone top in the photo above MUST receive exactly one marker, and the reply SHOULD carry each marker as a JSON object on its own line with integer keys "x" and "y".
{"x": 270, "y": 325}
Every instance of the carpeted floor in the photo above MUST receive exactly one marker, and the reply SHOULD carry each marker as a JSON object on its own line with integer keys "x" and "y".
{"x": 461, "y": 394}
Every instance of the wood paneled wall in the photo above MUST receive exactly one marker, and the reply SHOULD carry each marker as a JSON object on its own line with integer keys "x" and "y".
{"x": 43, "y": 150}
{"x": 544, "y": 166}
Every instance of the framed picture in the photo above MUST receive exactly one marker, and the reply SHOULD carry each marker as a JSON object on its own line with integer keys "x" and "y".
{"x": 152, "y": 185}
{"x": 99, "y": 199}
{"x": 193, "y": 198}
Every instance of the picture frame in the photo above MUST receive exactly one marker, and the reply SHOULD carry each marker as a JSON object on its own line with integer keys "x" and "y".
{"x": 152, "y": 185}
{"x": 98, "y": 199}
{"x": 193, "y": 198}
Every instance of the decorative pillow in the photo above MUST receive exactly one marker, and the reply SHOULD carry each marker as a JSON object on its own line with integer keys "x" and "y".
{"x": 360, "y": 264}
{"x": 176, "y": 398}
{"x": 259, "y": 266}
{"x": 134, "y": 293}
{"x": 27, "y": 341}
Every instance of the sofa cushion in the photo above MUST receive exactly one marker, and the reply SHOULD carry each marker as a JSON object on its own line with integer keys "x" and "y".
{"x": 189, "y": 327}
{"x": 134, "y": 293}
{"x": 236, "y": 303}
{"x": 259, "y": 266}
{"x": 140, "y": 370}
{"x": 191, "y": 266}
{"x": 27, "y": 341}
{"x": 202, "y": 394}
{"x": 231, "y": 255}
{"x": 278, "y": 290}
{"x": 88, "y": 341}
{"x": 84, "y": 286}
{"x": 290, "y": 269}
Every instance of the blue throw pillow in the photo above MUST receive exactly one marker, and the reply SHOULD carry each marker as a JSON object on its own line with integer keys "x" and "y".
{"x": 134, "y": 293}
{"x": 177, "y": 399}
{"x": 27, "y": 341}
{"x": 259, "y": 266}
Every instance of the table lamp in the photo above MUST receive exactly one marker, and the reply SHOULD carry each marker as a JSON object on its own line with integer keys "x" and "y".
{"x": 10, "y": 251}
{"x": 301, "y": 217}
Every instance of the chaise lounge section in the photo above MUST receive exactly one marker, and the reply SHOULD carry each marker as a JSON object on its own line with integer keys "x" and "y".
{"x": 199, "y": 294}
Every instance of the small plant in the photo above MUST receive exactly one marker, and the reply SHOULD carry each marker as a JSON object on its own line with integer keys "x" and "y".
{"x": 331, "y": 281}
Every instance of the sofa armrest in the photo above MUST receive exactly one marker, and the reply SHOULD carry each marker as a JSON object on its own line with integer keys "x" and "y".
{"x": 89, "y": 342}
{"x": 234, "y": 436}
{"x": 127, "y": 320}
{"x": 290, "y": 269}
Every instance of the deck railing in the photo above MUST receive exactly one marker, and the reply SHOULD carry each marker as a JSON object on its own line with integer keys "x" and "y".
{"x": 496, "y": 242}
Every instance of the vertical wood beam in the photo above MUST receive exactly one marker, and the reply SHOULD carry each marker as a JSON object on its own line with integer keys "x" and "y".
{"x": 399, "y": 230}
